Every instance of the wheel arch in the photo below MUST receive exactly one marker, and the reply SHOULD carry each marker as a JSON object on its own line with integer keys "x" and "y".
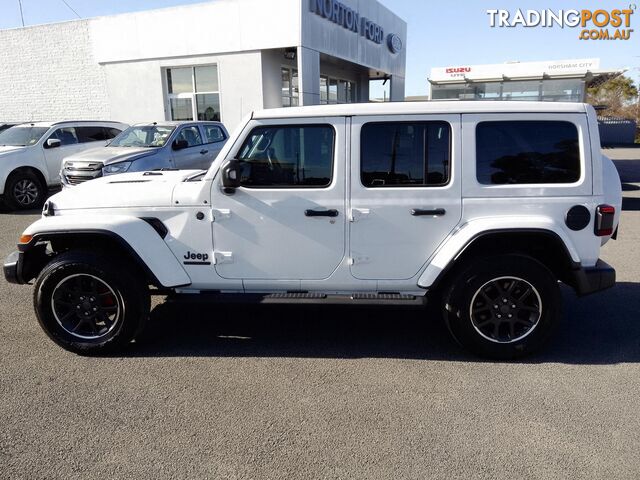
{"x": 132, "y": 239}
{"x": 543, "y": 245}
{"x": 26, "y": 168}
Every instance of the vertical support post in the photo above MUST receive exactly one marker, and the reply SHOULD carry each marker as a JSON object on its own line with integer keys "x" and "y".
{"x": 309, "y": 76}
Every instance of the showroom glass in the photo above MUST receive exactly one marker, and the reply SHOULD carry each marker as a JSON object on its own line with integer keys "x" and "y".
{"x": 21, "y": 136}
{"x": 191, "y": 135}
{"x": 288, "y": 156}
{"x": 213, "y": 133}
{"x": 527, "y": 152}
{"x": 144, "y": 136}
{"x": 405, "y": 154}
{"x": 290, "y": 91}
{"x": 193, "y": 93}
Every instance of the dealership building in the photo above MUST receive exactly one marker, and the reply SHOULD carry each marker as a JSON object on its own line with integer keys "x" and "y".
{"x": 215, "y": 60}
{"x": 553, "y": 81}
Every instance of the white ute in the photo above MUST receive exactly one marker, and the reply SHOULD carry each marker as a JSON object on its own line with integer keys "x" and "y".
{"x": 481, "y": 207}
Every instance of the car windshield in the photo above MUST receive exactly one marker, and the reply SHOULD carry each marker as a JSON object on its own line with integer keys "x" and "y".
{"x": 21, "y": 136}
{"x": 143, "y": 136}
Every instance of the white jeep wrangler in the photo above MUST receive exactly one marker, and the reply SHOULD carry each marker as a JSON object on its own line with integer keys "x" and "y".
{"x": 483, "y": 207}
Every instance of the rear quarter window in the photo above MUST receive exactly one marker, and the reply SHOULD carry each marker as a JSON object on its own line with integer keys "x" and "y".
{"x": 527, "y": 152}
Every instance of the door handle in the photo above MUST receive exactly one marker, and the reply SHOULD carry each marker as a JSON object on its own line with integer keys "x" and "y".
{"x": 321, "y": 213}
{"x": 435, "y": 212}
{"x": 202, "y": 152}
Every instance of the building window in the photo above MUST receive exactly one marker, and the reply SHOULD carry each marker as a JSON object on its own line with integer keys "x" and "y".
{"x": 334, "y": 90}
{"x": 527, "y": 152}
{"x": 290, "y": 89}
{"x": 405, "y": 154}
{"x": 193, "y": 93}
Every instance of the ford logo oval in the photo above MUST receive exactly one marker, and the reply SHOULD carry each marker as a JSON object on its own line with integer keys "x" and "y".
{"x": 394, "y": 42}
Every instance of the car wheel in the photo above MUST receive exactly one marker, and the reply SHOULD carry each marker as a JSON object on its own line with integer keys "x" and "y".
{"x": 503, "y": 307}
{"x": 89, "y": 304}
{"x": 24, "y": 191}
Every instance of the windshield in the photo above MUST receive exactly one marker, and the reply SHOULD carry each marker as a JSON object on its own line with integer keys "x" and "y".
{"x": 146, "y": 136}
{"x": 21, "y": 136}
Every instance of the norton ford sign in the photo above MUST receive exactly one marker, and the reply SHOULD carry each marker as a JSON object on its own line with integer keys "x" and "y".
{"x": 349, "y": 19}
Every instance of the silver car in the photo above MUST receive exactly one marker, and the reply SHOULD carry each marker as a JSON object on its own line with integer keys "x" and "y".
{"x": 154, "y": 146}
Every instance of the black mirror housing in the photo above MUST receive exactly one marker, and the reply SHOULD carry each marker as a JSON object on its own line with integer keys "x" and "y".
{"x": 180, "y": 144}
{"x": 231, "y": 173}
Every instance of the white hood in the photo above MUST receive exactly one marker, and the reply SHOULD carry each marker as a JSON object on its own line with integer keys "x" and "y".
{"x": 140, "y": 189}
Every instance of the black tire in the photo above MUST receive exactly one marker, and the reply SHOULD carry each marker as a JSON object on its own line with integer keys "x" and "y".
{"x": 480, "y": 319}
{"x": 90, "y": 304}
{"x": 24, "y": 191}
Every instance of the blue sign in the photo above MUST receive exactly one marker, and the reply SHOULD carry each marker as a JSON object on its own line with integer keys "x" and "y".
{"x": 349, "y": 19}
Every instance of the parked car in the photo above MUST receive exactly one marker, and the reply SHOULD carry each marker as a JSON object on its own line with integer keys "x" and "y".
{"x": 155, "y": 146}
{"x": 479, "y": 207}
{"x": 31, "y": 156}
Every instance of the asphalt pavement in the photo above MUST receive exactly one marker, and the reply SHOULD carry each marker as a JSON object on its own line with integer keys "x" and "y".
{"x": 236, "y": 392}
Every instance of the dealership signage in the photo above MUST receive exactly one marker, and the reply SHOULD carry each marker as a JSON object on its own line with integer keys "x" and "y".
{"x": 515, "y": 69}
{"x": 349, "y": 19}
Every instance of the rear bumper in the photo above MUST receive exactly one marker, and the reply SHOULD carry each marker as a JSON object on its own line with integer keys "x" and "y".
{"x": 13, "y": 268}
{"x": 594, "y": 279}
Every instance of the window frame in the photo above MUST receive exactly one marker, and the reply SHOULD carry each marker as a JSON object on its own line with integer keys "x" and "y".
{"x": 193, "y": 94}
{"x": 581, "y": 171}
{"x": 293, "y": 187}
{"x": 294, "y": 92}
{"x": 408, "y": 122}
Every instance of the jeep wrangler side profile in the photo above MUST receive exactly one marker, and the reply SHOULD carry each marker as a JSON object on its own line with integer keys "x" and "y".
{"x": 484, "y": 207}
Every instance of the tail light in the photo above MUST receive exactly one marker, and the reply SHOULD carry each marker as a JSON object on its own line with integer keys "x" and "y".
{"x": 604, "y": 220}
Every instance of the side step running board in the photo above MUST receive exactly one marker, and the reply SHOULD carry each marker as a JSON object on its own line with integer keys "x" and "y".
{"x": 300, "y": 298}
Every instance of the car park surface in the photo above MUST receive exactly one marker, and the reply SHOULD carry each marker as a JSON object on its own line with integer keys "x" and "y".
{"x": 306, "y": 392}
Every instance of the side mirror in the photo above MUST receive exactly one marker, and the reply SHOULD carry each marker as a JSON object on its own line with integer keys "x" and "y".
{"x": 180, "y": 144}
{"x": 53, "y": 143}
{"x": 231, "y": 173}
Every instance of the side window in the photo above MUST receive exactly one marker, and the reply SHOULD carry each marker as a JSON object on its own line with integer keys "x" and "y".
{"x": 405, "y": 154}
{"x": 213, "y": 133}
{"x": 67, "y": 136}
{"x": 110, "y": 132}
{"x": 527, "y": 152}
{"x": 288, "y": 156}
{"x": 191, "y": 135}
{"x": 90, "y": 134}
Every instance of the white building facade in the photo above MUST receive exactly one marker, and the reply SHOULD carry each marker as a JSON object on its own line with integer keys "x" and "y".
{"x": 218, "y": 60}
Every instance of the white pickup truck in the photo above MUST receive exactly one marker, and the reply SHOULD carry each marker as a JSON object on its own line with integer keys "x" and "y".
{"x": 481, "y": 207}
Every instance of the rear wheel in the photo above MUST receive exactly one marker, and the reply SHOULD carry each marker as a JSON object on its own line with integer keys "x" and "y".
{"x": 24, "y": 190}
{"x": 503, "y": 307}
{"x": 89, "y": 305}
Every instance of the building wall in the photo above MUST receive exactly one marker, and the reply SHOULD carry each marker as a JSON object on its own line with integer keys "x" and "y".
{"x": 48, "y": 72}
{"x": 137, "y": 89}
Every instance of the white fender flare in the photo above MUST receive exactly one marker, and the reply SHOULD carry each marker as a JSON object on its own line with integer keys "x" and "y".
{"x": 460, "y": 238}
{"x": 137, "y": 234}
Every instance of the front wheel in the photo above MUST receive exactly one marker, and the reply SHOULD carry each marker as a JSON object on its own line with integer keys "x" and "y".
{"x": 503, "y": 307}
{"x": 24, "y": 191}
{"x": 88, "y": 305}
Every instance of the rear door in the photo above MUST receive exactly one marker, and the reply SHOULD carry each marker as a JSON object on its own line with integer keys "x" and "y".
{"x": 405, "y": 192}
{"x": 214, "y": 139}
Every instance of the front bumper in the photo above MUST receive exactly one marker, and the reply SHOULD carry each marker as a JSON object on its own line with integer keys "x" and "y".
{"x": 13, "y": 268}
{"x": 594, "y": 279}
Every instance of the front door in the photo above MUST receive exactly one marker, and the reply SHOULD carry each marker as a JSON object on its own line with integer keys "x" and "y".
{"x": 287, "y": 220}
{"x": 405, "y": 192}
{"x": 69, "y": 145}
{"x": 194, "y": 153}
